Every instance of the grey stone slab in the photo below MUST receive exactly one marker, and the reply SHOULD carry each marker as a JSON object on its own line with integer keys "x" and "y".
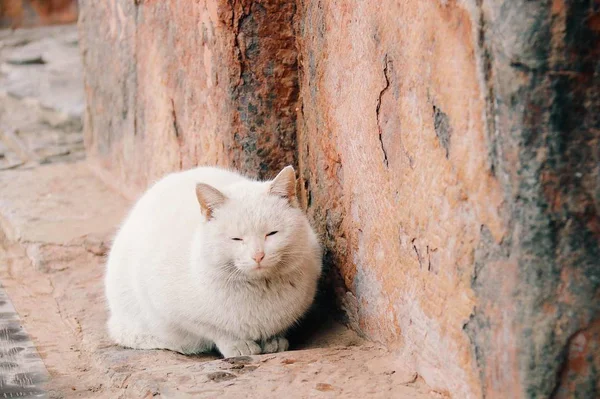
{"x": 45, "y": 68}
{"x": 57, "y": 204}
{"x": 22, "y": 372}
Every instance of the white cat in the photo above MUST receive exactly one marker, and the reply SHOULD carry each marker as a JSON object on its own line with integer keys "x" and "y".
{"x": 208, "y": 257}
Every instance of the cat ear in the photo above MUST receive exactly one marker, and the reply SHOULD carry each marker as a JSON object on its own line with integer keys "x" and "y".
{"x": 209, "y": 198}
{"x": 284, "y": 185}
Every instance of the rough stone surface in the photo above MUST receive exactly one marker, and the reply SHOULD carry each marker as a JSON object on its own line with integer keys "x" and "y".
{"x": 219, "y": 86}
{"x": 41, "y": 97}
{"x": 448, "y": 151}
{"x": 59, "y": 216}
{"x": 462, "y": 210}
{"x": 47, "y": 69}
{"x": 22, "y": 372}
{"x": 63, "y": 310}
{"x": 393, "y": 155}
{"x": 50, "y": 213}
{"x": 541, "y": 80}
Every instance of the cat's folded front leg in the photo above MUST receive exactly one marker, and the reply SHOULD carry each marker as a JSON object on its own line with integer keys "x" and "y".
{"x": 275, "y": 344}
{"x": 234, "y": 348}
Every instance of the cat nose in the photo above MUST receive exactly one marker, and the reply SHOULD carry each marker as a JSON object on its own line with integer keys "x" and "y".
{"x": 258, "y": 256}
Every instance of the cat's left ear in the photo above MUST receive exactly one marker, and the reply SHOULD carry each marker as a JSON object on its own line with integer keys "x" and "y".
{"x": 284, "y": 185}
{"x": 209, "y": 198}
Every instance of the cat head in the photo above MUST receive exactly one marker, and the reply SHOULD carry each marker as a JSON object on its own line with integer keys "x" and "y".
{"x": 254, "y": 229}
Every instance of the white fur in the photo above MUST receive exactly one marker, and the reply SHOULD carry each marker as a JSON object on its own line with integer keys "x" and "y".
{"x": 178, "y": 281}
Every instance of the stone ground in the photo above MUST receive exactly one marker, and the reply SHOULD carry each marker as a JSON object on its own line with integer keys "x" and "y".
{"x": 41, "y": 97}
{"x": 56, "y": 221}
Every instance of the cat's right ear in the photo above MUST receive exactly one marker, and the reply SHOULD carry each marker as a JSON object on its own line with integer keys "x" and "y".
{"x": 209, "y": 199}
{"x": 284, "y": 185}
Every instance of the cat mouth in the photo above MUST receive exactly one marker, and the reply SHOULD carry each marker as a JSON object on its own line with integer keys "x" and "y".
{"x": 260, "y": 270}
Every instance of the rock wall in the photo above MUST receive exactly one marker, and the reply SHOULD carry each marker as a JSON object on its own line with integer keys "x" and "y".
{"x": 542, "y": 84}
{"x": 394, "y": 153}
{"x": 175, "y": 84}
{"x": 448, "y": 154}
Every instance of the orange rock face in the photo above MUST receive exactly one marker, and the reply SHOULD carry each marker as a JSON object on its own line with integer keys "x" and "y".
{"x": 394, "y": 154}
{"x": 447, "y": 153}
{"x": 218, "y": 86}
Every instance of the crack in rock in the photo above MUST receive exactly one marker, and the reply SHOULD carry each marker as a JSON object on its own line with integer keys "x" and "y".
{"x": 386, "y": 61}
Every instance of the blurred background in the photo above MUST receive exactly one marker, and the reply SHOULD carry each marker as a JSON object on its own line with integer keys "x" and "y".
{"x": 28, "y": 13}
{"x": 41, "y": 83}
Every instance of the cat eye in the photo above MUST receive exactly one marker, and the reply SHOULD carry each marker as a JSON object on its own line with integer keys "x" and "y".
{"x": 272, "y": 233}
{"x": 236, "y": 239}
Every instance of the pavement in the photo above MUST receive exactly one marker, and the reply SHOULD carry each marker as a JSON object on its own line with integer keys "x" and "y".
{"x": 57, "y": 220}
{"x": 41, "y": 97}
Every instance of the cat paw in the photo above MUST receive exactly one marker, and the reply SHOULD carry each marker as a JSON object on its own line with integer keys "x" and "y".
{"x": 275, "y": 344}
{"x": 239, "y": 348}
